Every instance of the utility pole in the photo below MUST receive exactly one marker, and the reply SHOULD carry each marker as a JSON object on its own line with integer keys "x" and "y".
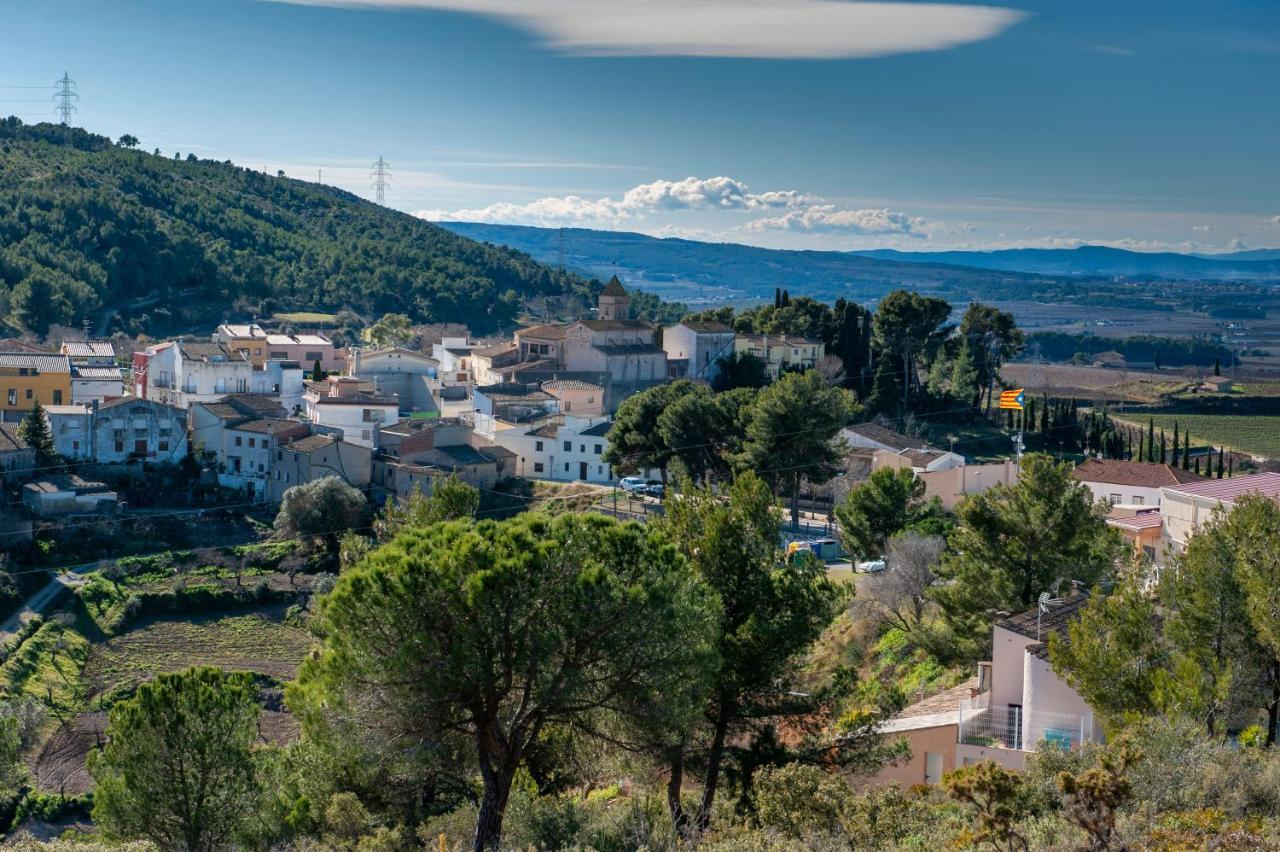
{"x": 65, "y": 96}
{"x": 381, "y": 174}
{"x": 562, "y": 252}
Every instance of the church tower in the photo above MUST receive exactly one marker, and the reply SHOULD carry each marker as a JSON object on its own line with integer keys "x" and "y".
{"x": 614, "y": 303}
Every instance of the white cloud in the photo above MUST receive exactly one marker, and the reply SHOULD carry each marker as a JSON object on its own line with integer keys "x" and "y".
{"x": 691, "y": 193}
{"x": 774, "y": 29}
{"x": 829, "y": 219}
{"x": 1275, "y": 220}
{"x": 1203, "y": 228}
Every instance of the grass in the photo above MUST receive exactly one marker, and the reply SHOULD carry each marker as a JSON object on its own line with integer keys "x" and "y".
{"x": 1256, "y": 434}
{"x": 258, "y": 642}
{"x": 47, "y": 667}
{"x": 305, "y": 316}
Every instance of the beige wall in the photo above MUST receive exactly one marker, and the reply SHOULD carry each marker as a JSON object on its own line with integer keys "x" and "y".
{"x": 941, "y": 740}
{"x": 580, "y": 403}
{"x": 954, "y": 484}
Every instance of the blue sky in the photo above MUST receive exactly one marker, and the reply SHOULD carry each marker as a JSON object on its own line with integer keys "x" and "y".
{"x": 794, "y": 123}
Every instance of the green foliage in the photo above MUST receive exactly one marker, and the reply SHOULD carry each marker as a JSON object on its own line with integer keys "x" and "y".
{"x": 491, "y": 631}
{"x": 791, "y": 430}
{"x": 391, "y": 330}
{"x": 178, "y": 767}
{"x": 908, "y": 329}
{"x": 740, "y": 370}
{"x": 34, "y": 430}
{"x": 702, "y": 430}
{"x": 994, "y": 795}
{"x": 1091, "y": 798}
{"x": 635, "y": 441}
{"x": 1013, "y": 542}
{"x": 450, "y": 499}
{"x": 324, "y": 508}
{"x": 85, "y": 223}
{"x": 887, "y": 503}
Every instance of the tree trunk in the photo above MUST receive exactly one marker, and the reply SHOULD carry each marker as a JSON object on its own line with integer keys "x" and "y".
{"x": 795, "y": 503}
{"x": 679, "y": 819}
{"x": 497, "y": 774}
{"x": 1273, "y": 711}
{"x": 714, "y": 758}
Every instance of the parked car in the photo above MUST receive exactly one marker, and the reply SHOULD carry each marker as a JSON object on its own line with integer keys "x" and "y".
{"x": 871, "y": 566}
{"x": 653, "y": 489}
{"x": 633, "y": 484}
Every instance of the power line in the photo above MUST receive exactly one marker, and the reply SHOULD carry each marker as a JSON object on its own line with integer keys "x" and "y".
{"x": 381, "y": 174}
{"x": 65, "y": 96}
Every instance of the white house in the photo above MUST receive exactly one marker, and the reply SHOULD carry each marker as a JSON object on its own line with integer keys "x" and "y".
{"x": 1129, "y": 483}
{"x": 1184, "y": 508}
{"x": 341, "y": 403}
{"x": 94, "y": 384}
{"x": 281, "y": 380}
{"x": 1014, "y": 704}
{"x": 412, "y": 377}
{"x": 694, "y": 349}
{"x": 181, "y": 372}
{"x": 453, "y": 354}
{"x": 241, "y": 441}
{"x": 562, "y": 448}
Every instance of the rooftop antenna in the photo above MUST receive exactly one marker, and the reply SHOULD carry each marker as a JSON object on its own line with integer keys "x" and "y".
{"x": 1044, "y": 604}
{"x": 381, "y": 174}
{"x": 66, "y": 98}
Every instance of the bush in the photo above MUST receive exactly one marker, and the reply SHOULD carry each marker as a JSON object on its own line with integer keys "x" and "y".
{"x": 52, "y": 807}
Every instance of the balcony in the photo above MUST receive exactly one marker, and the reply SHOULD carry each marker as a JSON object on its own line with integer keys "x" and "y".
{"x": 1009, "y": 726}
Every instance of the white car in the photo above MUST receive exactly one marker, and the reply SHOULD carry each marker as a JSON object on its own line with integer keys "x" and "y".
{"x": 871, "y": 566}
{"x": 633, "y": 484}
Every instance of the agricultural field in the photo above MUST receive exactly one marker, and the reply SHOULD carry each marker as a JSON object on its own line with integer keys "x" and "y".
{"x": 305, "y": 317}
{"x": 239, "y": 608}
{"x": 1255, "y": 434}
{"x": 1093, "y": 383}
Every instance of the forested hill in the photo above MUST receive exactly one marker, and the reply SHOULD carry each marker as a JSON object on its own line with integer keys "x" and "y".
{"x": 89, "y": 228}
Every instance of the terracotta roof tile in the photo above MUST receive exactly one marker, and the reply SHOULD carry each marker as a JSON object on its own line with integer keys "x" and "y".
{"x": 1136, "y": 474}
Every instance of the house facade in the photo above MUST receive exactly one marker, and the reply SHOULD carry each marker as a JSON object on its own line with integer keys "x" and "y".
{"x": 564, "y": 448}
{"x": 413, "y": 378}
{"x": 30, "y": 377}
{"x": 1015, "y": 703}
{"x": 1185, "y": 508}
{"x": 694, "y": 349}
{"x": 17, "y": 460}
{"x": 341, "y": 403}
{"x": 315, "y": 456}
{"x": 1130, "y": 483}
{"x": 260, "y": 346}
{"x": 181, "y": 372}
{"x": 781, "y": 352}
{"x": 119, "y": 430}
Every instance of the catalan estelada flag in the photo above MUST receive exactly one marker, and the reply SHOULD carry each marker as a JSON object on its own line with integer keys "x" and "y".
{"x": 1014, "y": 399}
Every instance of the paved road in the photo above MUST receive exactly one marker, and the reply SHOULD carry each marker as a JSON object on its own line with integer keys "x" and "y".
{"x": 65, "y": 578}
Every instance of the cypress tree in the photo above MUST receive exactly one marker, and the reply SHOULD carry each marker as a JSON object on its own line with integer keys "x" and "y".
{"x": 35, "y": 432}
{"x": 1217, "y": 366}
{"x": 1151, "y": 439}
{"x": 317, "y": 374}
{"x": 777, "y": 297}
{"x": 1231, "y": 466}
{"x": 1186, "y": 451}
{"x": 1221, "y": 462}
{"x": 1197, "y": 465}
{"x": 1174, "y": 461}
{"x": 1162, "y": 448}
{"x": 786, "y": 299}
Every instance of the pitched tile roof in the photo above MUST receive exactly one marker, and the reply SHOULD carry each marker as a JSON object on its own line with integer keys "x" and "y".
{"x": 888, "y": 437}
{"x": 265, "y": 425}
{"x": 310, "y": 443}
{"x": 1036, "y": 625}
{"x": 53, "y": 362}
{"x": 616, "y": 325}
{"x": 10, "y": 440}
{"x": 210, "y": 350}
{"x": 1266, "y": 484}
{"x": 88, "y": 348}
{"x": 614, "y": 288}
{"x": 1132, "y": 473}
{"x": 599, "y": 430}
{"x": 571, "y": 384}
{"x": 98, "y": 373}
{"x": 706, "y": 326}
{"x": 546, "y": 331}
{"x": 1143, "y": 521}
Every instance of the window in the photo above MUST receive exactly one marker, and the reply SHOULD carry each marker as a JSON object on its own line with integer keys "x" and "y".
{"x": 13, "y": 396}
{"x": 1115, "y": 498}
{"x": 598, "y": 449}
{"x": 371, "y": 415}
{"x": 582, "y": 448}
{"x": 280, "y": 356}
{"x": 568, "y": 446}
{"x": 537, "y": 445}
{"x": 1137, "y": 500}
{"x": 312, "y": 356}
{"x": 257, "y": 350}
{"x": 119, "y": 446}
{"x": 75, "y": 445}
{"x": 28, "y": 393}
{"x": 279, "y": 455}
{"x": 238, "y": 440}
{"x": 537, "y": 467}
{"x": 568, "y": 406}
{"x": 162, "y": 447}
{"x": 566, "y": 467}
{"x": 591, "y": 400}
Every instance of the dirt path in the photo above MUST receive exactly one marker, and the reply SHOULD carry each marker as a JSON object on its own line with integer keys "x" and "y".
{"x": 40, "y": 601}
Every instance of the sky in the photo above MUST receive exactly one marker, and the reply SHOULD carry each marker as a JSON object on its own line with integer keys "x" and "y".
{"x": 824, "y": 124}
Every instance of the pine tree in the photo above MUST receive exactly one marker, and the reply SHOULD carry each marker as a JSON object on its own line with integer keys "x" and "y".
{"x": 35, "y": 432}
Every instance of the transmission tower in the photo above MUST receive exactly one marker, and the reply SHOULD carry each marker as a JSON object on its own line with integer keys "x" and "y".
{"x": 65, "y": 97}
{"x": 381, "y": 174}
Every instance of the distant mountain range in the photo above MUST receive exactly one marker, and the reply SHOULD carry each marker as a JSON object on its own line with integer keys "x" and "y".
{"x": 701, "y": 273}
{"x": 1254, "y": 265}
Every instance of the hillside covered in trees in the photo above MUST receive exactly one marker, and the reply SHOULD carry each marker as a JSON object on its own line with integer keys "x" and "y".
{"x": 90, "y": 227}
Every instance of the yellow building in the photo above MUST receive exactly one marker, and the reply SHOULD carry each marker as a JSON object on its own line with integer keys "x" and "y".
{"x": 28, "y": 377}
{"x": 780, "y": 351}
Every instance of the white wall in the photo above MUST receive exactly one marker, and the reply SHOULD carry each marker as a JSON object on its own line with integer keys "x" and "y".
{"x": 350, "y": 419}
{"x": 1007, "y": 651}
{"x": 1128, "y": 494}
{"x": 1049, "y": 703}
